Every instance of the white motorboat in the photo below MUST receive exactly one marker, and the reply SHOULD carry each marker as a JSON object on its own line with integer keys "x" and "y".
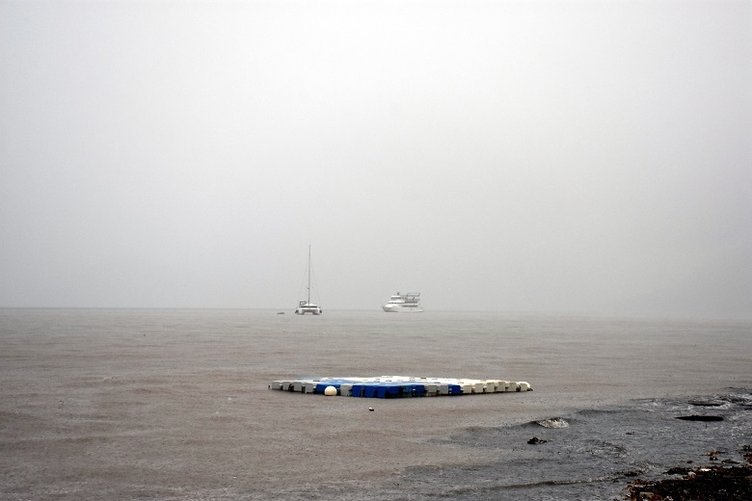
{"x": 307, "y": 306}
{"x": 408, "y": 302}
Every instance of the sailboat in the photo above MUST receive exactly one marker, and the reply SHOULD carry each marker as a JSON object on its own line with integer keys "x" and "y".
{"x": 307, "y": 306}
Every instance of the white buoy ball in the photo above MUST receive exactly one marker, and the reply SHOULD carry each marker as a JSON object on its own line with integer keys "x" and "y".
{"x": 330, "y": 391}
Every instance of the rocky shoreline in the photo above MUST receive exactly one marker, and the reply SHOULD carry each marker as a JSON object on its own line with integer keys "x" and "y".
{"x": 724, "y": 479}
{"x": 714, "y": 483}
{"x": 630, "y": 451}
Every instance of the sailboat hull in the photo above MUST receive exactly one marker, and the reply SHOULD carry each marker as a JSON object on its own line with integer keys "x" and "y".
{"x": 308, "y": 308}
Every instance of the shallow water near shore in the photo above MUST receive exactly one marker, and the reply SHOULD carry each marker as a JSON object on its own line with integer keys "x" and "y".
{"x": 174, "y": 404}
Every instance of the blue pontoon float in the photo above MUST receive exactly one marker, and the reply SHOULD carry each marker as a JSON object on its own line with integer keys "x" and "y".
{"x": 399, "y": 386}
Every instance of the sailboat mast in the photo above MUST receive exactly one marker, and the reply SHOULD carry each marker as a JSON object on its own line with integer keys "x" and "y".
{"x": 309, "y": 274}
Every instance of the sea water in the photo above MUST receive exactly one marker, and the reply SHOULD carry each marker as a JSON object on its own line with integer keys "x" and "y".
{"x": 174, "y": 404}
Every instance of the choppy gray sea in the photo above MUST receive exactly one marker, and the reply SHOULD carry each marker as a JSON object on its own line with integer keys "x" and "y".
{"x": 174, "y": 404}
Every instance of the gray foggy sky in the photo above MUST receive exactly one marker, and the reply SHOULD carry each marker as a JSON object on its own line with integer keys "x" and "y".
{"x": 542, "y": 156}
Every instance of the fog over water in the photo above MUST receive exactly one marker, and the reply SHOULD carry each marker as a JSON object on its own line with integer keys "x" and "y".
{"x": 546, "y": 156}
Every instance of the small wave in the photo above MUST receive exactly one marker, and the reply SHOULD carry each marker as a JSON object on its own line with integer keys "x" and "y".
{"x": 708, "y": 403}
{"x": 554, "y": 423}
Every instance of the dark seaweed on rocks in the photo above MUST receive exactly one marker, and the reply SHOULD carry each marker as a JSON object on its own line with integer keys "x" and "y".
{"x": 716, "y": 483}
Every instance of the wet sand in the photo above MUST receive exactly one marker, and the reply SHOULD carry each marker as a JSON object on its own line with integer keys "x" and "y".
{"x": 154, "y": 404}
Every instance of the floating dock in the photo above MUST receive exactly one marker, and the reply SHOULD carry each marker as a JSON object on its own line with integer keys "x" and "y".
{"x": 399, "y": 386}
